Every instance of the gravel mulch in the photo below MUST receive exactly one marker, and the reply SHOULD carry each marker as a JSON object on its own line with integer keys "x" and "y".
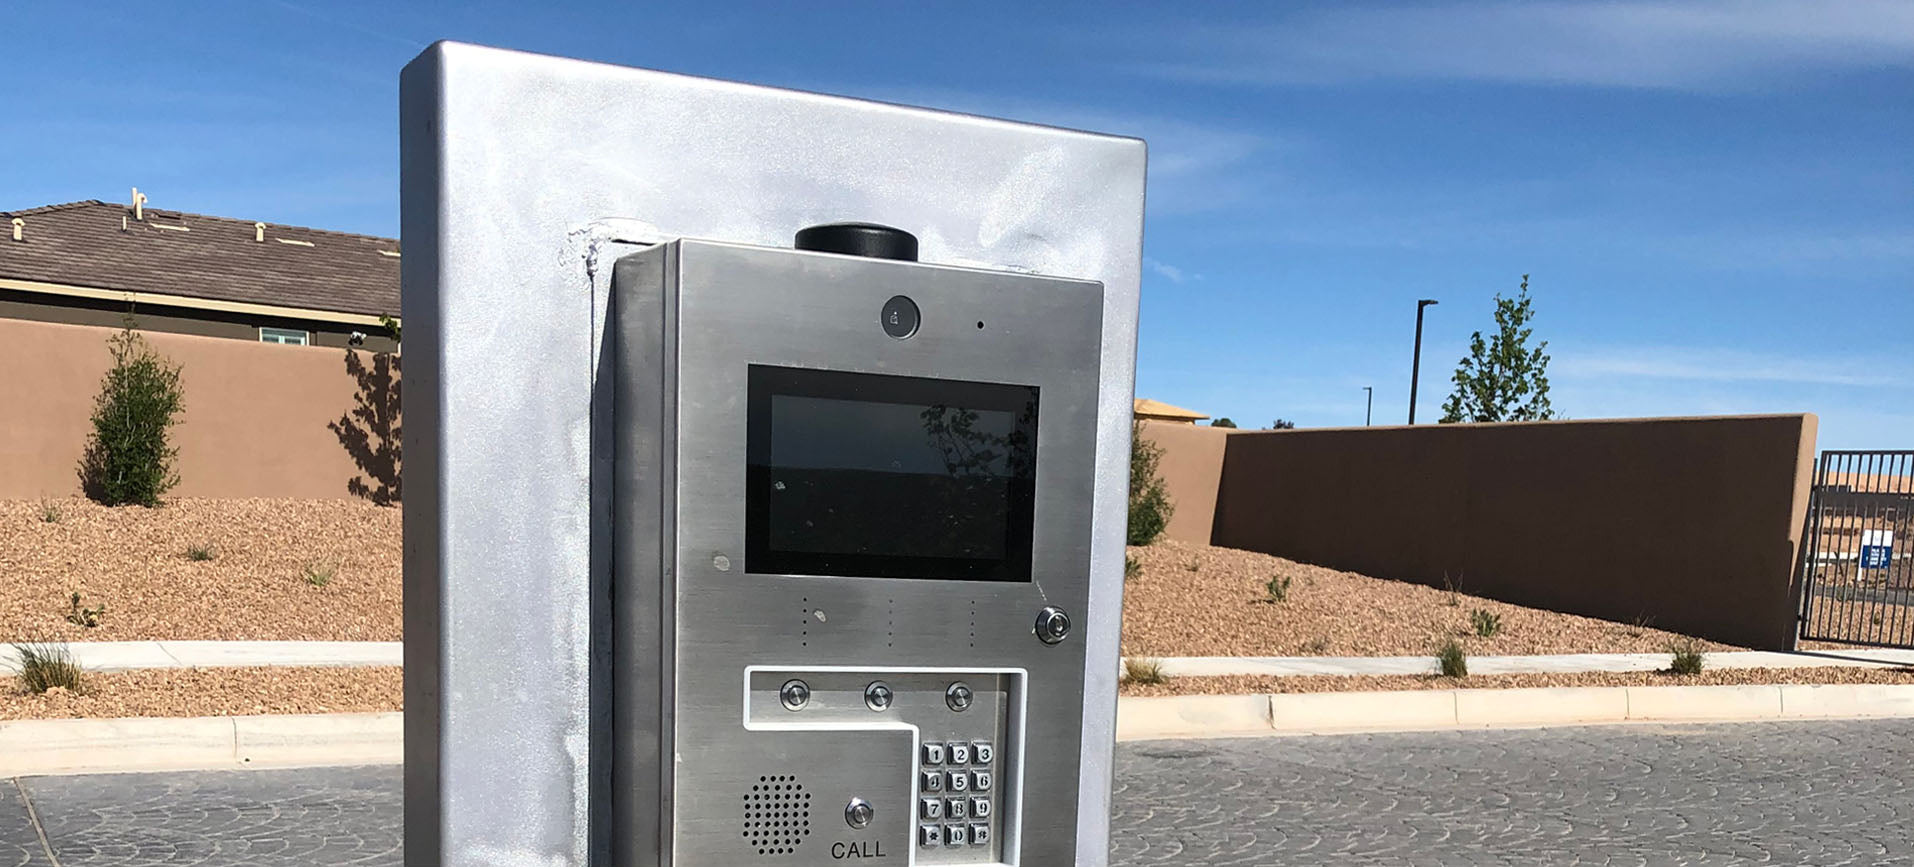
{"x": 1196, "y": 600}
{"x": 1253, "y": 685}
{"x": 180, "y": 692}
{"x": 135, "y": 562}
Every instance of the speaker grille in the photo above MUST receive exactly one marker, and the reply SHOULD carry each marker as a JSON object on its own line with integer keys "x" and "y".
{"x": 777, "y": 815}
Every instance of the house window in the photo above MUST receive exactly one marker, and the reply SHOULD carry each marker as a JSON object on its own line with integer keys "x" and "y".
{"x": 287, "y": 336}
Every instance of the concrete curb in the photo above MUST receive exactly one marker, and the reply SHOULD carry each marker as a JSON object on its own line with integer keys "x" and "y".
{"x": 1140, "y": 718}
{"x": 1293, "y": 666}
{"x": 78, "y": 746}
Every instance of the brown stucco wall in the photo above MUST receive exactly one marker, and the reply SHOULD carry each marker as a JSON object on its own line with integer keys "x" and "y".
{"x": 1191, "y": 468}
{"x": 1690, "y": 523}
{"x": 153, "y": 319}
{"x": 254, "y": 425}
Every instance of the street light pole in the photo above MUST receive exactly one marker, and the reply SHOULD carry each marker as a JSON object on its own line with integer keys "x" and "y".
{"x": 1368, "y": 404}
{"x": 1415, "y": 369}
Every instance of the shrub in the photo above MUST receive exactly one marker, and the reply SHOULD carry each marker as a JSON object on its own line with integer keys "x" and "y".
{"x": 1686, "y": 656}
{"x": 1316, "y": 646}
{"x": 87, "y": 617}
{"x": 1277, "y": 588}
{"x": 1131, "y": 568}
{"x": 1144, "y": 671}
{"x": 318, "y": 574}
{"x": 199, "y": 553}
{"x": 1453, "y": 659}
{"x": 1487, "y": 623}
{"x": 129, "y": 459}
{"x": 1150, "y": 506}
{"x": 50, "y": 512}
{"x": 41, "y": 667}
{"x": 1192, "y": 566}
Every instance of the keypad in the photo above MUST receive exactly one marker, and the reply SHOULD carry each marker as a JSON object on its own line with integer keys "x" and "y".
{"x": 955, "y": 807}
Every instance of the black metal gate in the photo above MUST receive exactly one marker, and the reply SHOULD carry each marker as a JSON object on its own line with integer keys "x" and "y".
{"x": 1857, "y": 557}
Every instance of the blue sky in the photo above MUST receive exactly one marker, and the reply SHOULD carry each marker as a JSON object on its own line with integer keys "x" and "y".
{"x": 1715, "y": 200}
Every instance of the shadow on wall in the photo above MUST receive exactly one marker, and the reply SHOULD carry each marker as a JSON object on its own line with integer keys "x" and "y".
{"x": 370, "y": 431}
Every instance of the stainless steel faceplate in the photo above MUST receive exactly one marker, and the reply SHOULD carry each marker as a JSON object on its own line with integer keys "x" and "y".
{"x": 690, "y": 318}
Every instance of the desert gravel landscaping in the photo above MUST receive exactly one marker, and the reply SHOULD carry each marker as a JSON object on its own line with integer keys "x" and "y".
{"x": 1253, "y": 685}
{"x": 1196, "y": 600}
{"x": 182, "y": 692}
{"x": 268, "y": 559}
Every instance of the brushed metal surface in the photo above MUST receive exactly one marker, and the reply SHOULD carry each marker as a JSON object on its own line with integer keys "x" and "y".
{"x": 737, "y": 306}
{"x": 523, "y": 177}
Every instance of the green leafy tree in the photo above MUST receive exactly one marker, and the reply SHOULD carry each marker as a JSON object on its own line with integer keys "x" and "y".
{"x": 129, "y": 456}
{"x": 1503, "y": 379}
{"x": 1150, "y": 506}
{"x": 1223, "y": 422}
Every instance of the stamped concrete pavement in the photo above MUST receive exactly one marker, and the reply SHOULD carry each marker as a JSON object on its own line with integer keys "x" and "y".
{"x": 1821, "y": 793}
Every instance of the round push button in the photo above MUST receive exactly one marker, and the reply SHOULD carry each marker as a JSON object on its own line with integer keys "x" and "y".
{"x": 858, "y": 813}
{"x": 878, "y": 695}
{"x": 899, "y": 317}
{"x": 958, "y": 696}
{"x": 795, "y": 694}
{"x": 1053, "y": 626}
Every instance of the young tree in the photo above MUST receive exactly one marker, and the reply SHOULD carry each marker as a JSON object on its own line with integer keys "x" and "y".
{"x": 1282, "y": 424}
{"x": 129, "y": 459}
{"x": 1503, "y": 379}
{"x": 1150, "y": 506}
{"x": 1223, "y": 422}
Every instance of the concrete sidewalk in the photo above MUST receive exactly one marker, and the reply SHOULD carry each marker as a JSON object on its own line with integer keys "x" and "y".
{"x": 1290, "y": 666}
{"x": 129, "y": 655}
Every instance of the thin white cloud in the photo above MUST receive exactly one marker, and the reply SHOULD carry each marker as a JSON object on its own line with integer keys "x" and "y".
{"x": 1724, "y": 365}
{"x": 1169, "y": 272}
{"x": 1723, "y": 44}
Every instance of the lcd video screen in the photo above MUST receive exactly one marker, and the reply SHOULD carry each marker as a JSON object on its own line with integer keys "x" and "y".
{"x": 869, "y": 475}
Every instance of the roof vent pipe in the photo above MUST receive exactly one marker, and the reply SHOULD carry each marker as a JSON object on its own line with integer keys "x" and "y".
{"x": 19, "y": 229}
{"x": 259, "y": 233}
{"x": 139, "y": 205}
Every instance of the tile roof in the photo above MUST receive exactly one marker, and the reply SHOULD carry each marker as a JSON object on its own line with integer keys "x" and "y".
{"x": 1148, "y": 408}
{"x": 82, "y": 244}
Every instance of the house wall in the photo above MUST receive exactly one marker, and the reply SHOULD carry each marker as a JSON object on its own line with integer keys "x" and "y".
{"x": 255, "y": 422}
{"x": 39, "y": 307}
{"x": 1690, "y": 523}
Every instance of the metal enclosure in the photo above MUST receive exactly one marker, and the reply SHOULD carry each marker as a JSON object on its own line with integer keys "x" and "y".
{"x": 692, "y": 321}
{"x": 525, "y": 178}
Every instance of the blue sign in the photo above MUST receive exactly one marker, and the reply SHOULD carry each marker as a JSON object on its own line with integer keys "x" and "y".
{"x": 1874, "y": 556}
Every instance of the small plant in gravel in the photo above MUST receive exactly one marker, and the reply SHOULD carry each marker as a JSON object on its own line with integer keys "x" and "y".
{"x": 1144, "y": 671}
{"x": 318, "y": 574}
{"x": 1450, "y": 587}
{"x": 1316, "y": 646}
{"x": 1131, "y": 568}
{"x": 199, "y": 553}
{"x": 1192, "y": 566}
{"x": 50, "y": 512}
{"x": 41, "y": 667}
{"x": 1485, "y": 622}
{"x": 1686, "y": 656}
{"x": 79, "y": 615}
{"x": 1277, "y": 588}
{"x": 1453, "y": 660}
{"x": 129, "y": 459}
{"x": 1639, "y": 627}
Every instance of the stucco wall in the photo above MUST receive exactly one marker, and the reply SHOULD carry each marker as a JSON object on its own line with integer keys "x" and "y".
{"x": 255, "y": 422}
{"x": 1191, "y": 468}
{"x": 1690, "y": 523}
